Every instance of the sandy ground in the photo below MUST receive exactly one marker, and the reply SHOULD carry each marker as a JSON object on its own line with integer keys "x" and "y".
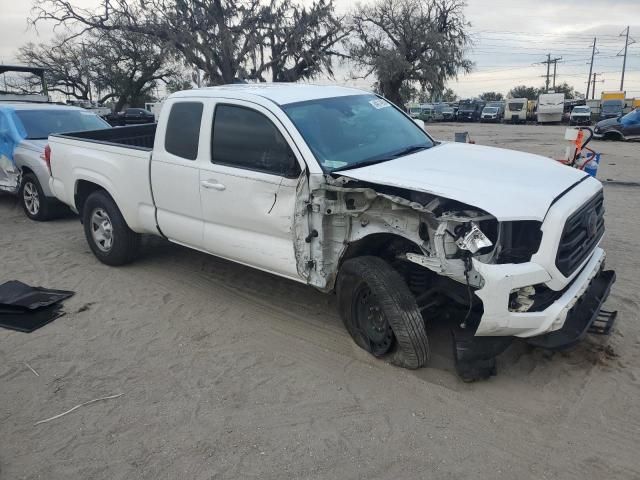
{"x": 228, "y": 372}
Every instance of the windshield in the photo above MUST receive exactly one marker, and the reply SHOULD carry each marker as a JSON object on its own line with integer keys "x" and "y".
{"x": 490, "y": 110}
{"x": 356, "y": 129}
{"x": 516, "y": 107}
{"x": 39, "y": 124}
{"x": 415, "y": 110}
{"x": 631, "y": 118}
{"x": 581, "y": 110}
{"x": 612, "y": 106}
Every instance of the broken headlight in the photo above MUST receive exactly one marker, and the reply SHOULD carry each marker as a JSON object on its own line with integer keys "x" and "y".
{"x": 471, "y": 238}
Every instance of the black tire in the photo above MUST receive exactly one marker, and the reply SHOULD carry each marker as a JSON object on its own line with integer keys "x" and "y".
{"x": 124, "y": 242}
{"x": 395, "y": 308}
{"x": 612, "y": 136}
{"x": 33, "y": 201}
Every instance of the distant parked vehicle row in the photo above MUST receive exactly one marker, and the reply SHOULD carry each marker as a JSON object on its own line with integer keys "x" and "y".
{"x": 131, "y": 116}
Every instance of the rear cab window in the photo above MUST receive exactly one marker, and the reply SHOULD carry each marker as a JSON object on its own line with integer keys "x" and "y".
{"x": 182, "y": 132}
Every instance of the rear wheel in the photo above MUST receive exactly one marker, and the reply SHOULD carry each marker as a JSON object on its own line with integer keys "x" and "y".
{"x": 380, "y": 312}
{"x": 108, "y": 235}
{"x": 35, "y": 204}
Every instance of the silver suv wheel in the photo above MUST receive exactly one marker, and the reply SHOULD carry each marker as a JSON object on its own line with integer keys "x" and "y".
{"x": 31, "y": 198}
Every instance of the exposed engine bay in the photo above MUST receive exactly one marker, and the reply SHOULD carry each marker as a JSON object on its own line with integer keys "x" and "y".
{"x": 442, "y": 235}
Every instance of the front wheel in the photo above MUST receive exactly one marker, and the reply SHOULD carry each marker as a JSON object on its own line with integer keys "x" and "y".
{"x": 107, "y": 232}
{"x": 380, "y": 312}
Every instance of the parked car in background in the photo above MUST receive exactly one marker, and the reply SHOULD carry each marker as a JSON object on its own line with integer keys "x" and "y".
{"x": 580, "y": 115}
{"x": 449, "y": 113}
{"x": 611, "y": 108}
{"x": 625, "y": 127}
{"x": 339, "y": 189}
{"x": 24, "y": 170}
{"x": 132, "y": 116}
{"x": 437, "y": 112}
{"x": 470, "y": 110}
{"x": 415, "y": 110}
{"x": 491, "y": 114}
{"x": 550, "y": 108}
{"x": 96, "y": 108}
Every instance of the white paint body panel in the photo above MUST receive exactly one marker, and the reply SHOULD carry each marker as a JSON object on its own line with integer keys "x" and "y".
{"x": 509, "y": 185}
{"x": 248, "y": 216}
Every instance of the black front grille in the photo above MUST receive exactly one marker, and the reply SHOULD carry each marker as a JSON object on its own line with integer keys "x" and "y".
{"x": 582, "y": 232}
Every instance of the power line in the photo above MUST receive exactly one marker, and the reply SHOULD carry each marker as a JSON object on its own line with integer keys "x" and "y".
{"x": 548, "y": 62}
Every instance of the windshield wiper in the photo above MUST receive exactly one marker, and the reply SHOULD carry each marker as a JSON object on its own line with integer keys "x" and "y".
{"x": 365, "y": 163}
{"x": 411, "y": 149}
{"x": 373, "y": 161}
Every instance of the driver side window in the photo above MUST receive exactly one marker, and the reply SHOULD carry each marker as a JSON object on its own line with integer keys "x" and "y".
{"x": 244, "y": 138}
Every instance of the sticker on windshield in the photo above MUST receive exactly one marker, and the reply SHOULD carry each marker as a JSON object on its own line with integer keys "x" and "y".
{"x": 334, "y": 164}
{"x": 379, "y": 103}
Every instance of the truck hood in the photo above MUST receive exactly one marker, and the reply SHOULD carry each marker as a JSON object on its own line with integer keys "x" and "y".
{"x": 508, "y": 184}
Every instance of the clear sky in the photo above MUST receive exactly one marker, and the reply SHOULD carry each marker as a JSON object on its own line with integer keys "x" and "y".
{"x": 510, "y": 38}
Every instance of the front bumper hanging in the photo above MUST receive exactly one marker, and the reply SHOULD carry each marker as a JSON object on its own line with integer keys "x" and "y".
{"x": 586, "y": 316}
{"x": 475, "y": 356}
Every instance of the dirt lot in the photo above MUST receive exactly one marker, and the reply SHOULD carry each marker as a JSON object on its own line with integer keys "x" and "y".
{"x": 232, "y": 373}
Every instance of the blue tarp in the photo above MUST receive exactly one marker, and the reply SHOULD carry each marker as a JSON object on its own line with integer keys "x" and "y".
{"x": 11, "y": 134}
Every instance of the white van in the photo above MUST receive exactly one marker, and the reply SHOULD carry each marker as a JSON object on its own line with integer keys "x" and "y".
{"x": 550, "y": 107}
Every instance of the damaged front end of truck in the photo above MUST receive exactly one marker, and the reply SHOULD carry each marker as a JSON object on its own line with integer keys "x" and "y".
{"x": 440, "y": 246}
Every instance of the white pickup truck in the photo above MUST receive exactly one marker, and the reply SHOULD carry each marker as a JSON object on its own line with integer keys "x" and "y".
{"x": 339, "y": 189}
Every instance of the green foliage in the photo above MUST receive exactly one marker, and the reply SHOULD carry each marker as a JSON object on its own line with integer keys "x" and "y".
{"x": 491, "y": 96}
{"x": 402, "y": 42}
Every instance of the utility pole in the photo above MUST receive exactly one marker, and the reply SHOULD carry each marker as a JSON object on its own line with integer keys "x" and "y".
{"x": 593, "y": 91}
{"x": 548, "y": 65}
{"x": 625, "y": 33}
{"x": 593, "y": 52}
{"x": 549, "y": 61}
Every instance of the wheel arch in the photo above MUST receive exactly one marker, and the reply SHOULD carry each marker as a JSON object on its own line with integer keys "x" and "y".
{"x": 614, "y": 135}
{"x": 84, "y": 188}
{"x": 380, "y": 244}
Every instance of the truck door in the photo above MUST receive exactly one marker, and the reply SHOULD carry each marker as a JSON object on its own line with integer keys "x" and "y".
{"x": 175, "y": 176}
{"x": 248, "y": 189}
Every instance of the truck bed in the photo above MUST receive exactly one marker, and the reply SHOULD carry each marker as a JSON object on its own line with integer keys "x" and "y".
{"x": 115, "y": 159}
{"x": 140, "y": 137}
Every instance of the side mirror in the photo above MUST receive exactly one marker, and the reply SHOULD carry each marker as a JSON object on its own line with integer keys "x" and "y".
{"x": 419, "y": 122}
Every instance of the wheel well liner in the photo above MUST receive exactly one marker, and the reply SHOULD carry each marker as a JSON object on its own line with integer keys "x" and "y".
{"x": 84, "y": 188}
{"x": 384, "y": 245}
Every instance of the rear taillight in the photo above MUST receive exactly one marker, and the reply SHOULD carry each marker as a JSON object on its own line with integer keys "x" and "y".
{"x": 46, "y": 156}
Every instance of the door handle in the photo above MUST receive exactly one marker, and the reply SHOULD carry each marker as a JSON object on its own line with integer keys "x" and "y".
{"x": 212, "y": 184}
